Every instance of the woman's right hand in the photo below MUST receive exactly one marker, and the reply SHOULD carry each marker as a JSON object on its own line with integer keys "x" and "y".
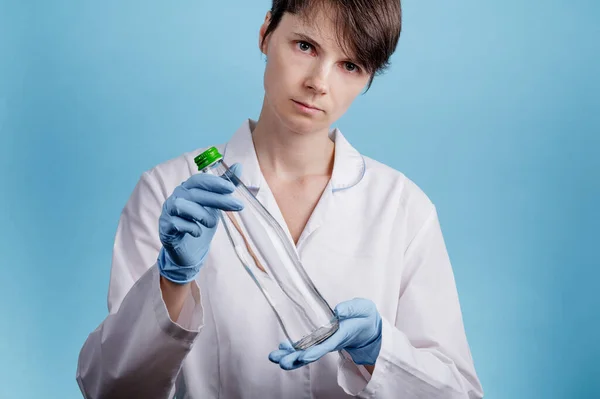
{"x": 188, "y": 223}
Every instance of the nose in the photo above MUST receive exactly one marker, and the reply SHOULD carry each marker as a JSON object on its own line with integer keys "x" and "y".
{"x": 317, "y": 79}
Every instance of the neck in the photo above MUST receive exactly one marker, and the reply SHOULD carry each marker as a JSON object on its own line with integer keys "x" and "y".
{"x": 288, "y": 155}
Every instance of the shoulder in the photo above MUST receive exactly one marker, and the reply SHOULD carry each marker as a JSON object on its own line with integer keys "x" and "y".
{"x": 378, "y": 174}
{"x": 396, "y": 190}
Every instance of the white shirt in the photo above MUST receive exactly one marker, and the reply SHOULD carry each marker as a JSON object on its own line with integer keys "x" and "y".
{"x": 373, "y": 234}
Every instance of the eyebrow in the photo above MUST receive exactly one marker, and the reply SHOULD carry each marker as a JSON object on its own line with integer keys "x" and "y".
{"x": 315, "y": 43}
{"x": 308, "y": 39}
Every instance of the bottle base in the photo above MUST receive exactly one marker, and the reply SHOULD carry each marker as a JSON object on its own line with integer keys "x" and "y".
{"x": 318, "y": 336}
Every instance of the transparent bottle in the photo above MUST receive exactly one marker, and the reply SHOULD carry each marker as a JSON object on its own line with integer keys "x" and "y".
{"x": 268, "y": 256}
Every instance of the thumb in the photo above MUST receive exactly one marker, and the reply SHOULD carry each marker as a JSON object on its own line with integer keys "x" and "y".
{"x": 237, "y": 169}
{"x": 234, "y": 173}
{"x": 357, "y": 307}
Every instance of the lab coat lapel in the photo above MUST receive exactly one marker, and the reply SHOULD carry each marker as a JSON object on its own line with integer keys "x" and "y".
{"x": 240, "y": 149}
{"x": 348, "y": 170}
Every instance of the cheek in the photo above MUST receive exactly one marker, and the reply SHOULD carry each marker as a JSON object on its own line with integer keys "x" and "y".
{"x": 278, "y": 75}
{"x": 272, "y": 83}
{"x": 345, "y": 95}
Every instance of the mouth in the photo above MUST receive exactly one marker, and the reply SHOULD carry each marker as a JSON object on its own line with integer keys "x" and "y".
{"x": 308, "y": 106}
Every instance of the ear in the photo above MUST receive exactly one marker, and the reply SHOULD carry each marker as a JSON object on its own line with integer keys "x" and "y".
{"x": 263, "y": 29}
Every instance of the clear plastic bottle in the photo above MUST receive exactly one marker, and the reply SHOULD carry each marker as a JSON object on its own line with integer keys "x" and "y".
{"x": 268, "y": 256}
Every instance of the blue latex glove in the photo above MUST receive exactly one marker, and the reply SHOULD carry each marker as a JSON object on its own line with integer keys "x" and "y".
{"x": 359, "y": 334}
{"x": 189, "y": 221}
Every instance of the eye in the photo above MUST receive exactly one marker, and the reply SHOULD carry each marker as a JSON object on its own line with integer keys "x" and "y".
{"x": 304, "y": 46}
{"x": 350, "y": 67}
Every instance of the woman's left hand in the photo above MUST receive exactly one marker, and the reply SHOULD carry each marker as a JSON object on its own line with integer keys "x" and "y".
{"x": 359, "y": 334}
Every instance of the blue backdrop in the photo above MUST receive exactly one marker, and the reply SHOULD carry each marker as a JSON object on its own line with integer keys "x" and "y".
{"x": 493, "y": 108}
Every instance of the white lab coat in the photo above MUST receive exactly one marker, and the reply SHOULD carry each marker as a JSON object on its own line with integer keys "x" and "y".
{"x": 374, "y": 234}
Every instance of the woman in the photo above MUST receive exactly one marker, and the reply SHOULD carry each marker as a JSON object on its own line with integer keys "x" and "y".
{"x": 188, "y": 321}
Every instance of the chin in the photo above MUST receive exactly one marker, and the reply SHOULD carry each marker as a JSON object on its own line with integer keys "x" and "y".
{"x": 302, "y": 124}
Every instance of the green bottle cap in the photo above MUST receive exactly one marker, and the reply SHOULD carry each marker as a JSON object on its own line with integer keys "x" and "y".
{"x": 207, "y": 157}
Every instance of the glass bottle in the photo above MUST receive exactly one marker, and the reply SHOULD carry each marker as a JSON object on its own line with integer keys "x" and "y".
{"x": 267, "y": 254}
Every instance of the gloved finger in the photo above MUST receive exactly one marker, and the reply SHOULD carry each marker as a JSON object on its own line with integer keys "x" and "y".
{"x": 208, "y": 182}
{"x": 285, "y": 348}
{"x": 277, "y": 355}
{"x": 291, "y": 361}
{"x": 286, "y": 345}
{"x": 224, "y": 202}
{"x": 336, "y": 342}
{"x": 357, "y": 307}
{"x": 176, "y": 226}
{"x": 182, "y": 208}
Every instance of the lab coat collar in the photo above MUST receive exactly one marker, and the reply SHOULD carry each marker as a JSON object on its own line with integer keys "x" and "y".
{"x": 348, "y": 164}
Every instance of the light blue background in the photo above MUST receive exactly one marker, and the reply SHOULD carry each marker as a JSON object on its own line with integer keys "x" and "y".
{"x": 491, "y": 107}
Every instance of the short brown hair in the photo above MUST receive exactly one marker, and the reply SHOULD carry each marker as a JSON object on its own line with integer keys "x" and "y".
{"x": 367, "y": 29}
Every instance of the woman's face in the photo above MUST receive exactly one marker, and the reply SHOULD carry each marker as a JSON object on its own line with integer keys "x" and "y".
{"x": 309, "y": 81}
